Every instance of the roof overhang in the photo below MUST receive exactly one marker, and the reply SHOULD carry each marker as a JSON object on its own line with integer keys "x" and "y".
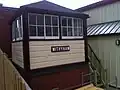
{"x": 108, "y": 28}
{"x": 96, "y": 5}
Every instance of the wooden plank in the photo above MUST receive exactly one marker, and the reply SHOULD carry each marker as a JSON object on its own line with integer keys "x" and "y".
{"x": 10, "y": 79}
{"x": 89, "y": 87}
{"x": 1, "y": 72}
{"x": 17, "y": 53}
{"x": 41, "y": 55}
{"x": 54, "y": 63}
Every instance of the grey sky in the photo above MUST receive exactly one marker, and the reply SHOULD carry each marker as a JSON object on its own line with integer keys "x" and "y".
{"x": 73, "y": 4}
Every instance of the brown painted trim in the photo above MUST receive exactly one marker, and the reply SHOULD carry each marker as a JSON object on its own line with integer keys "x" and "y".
{"x": 17, "y": 41}
{"x": 54, "y": 69}
{"x": 86, "y": 39}
{"x": 54, "y": 39}
{"x": 43, "y": 11}
{"x": 18, "y": 12}
{"x": 26, "y": 43}
{"x": 10, "y": 42}
{"x": 60, "y": 30}
{"x": 26, "y": 48}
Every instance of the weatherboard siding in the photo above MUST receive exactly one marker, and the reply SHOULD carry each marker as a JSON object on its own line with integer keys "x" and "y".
{"x": 107, "y": 13}
{"x": 108, "y": 52}
{"x": 41, "y": 55}
{"x": 17, "y": 53}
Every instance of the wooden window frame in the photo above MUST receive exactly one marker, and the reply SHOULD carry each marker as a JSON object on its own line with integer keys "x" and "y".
{"x": 51, "y": 26}
{"x": 73, "y": 36}
{"x": 19, "y": 29}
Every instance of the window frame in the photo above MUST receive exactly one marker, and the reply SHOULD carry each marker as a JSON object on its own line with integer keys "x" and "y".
{"x": 73, "y": 34}
{"x": 51, "y": 26}
{"x": 18, "y": 28}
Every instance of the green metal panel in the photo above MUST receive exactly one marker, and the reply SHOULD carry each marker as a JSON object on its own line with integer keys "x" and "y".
{"x": 109, "y": 54}
{"x": 103, "y": 14}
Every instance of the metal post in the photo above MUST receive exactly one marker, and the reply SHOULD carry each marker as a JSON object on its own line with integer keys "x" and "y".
{"x": 82, "y": 78}
{"x": 116, "y": 82}
{"x": 106, "y": 78}
{"x": 95, "y": 77}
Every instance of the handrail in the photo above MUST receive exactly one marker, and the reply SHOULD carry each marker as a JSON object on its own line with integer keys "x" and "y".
{"x": 93, "y": 53}
{"x": 102, "y": 72}
{"x": 95, "y": 56}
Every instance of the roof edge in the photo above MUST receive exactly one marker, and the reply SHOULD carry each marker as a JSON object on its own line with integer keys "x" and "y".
{"x": 9, "y": 8}
{"x": 96, "y": 5}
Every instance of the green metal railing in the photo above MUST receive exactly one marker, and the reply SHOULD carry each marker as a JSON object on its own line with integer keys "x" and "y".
{"x": 97, "y": 68}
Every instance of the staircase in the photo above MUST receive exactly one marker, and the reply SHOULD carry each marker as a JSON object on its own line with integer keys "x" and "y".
{"x": 96, "y": 68}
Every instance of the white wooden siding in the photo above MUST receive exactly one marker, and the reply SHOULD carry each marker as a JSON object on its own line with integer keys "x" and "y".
{"x": 17, "y": 53}
{"x": 41, "y": 55}
{"x": 105, "y": 13}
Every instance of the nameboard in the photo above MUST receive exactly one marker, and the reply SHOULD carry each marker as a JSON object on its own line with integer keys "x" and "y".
{"x": 60, "y": 48}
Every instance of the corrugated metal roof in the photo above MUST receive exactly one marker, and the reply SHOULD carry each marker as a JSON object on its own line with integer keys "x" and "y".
{"x": 106, "y": 28}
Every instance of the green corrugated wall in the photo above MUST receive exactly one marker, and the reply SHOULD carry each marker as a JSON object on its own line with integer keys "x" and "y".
{"x": 109, "y": 54}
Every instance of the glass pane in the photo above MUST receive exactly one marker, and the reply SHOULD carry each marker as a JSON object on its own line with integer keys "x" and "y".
{"x": 55, "y": 31}
{"x": 55, "y": 21}
{"x": 75, "y": 31}
{"x": 47, "y": 20}
{"x": 32, "y": 19}
{"x": 80, "y": 31}
{"x": 19, "y": 21}
{"x": 64, "y": 21}
{"x": 19, "y": 27}
{"x": 69, "y": 21}
{"x": 48, "y": 31}
{"x": 40, "y": 19}
{"x": 40, "y": 31}
{"x": 64, "y": 32}
{"x": 69, "y": 31}
{"x": 32, "y": 31}
{"x": 17, "y": 33}
{"x": 20, "y": 24}
{"x": 79, "y": 23}
{"x": 75, "y": 22}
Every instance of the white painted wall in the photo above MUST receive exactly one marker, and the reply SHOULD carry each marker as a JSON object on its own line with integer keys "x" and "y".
{"x": 41, "y": 55}
{"x": 17, "y": 53}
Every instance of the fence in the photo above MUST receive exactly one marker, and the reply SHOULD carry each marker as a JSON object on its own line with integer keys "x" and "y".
{"x": 10, "y": 79}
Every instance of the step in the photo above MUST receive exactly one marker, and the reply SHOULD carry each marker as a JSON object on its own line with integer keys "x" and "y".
{"x": 89, "y": 87}
{"x": 99, "y": 85}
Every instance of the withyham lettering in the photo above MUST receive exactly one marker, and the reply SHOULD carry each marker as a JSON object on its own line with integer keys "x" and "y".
{"x": 60, "y": 48}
